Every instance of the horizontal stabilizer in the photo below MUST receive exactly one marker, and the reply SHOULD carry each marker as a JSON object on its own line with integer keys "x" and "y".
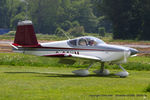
{"x": 29, "y": 46}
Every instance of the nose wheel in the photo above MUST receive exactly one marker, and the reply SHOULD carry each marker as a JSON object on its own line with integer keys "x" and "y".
{"x": 105, "y": 72}
{"x": 122, "y": 74}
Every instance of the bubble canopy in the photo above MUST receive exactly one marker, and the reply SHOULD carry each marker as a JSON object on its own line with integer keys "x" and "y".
{"x": 86, "y": 41}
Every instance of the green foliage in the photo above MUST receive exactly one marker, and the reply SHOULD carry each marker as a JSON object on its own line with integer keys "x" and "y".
{"x": 87, "y": 18}
{"x": 51, "y": 14}
{"x": 75, "y": 24}
{"x": 59, "y": 31}
{"x": 130, "y": 18}
{"x": 50, "y": 37}
{"x": 11, "y": 11}
{"x": 17, "y": 18}
{"x": 11, "y": 33}
{"x": 66, "y": 25}
{"x": 101, "y": 31}
{"x": 76, "y": 31}
{"x": 104, "y": 22}
{"x": 148, "y": 88}
{"x": 48, "y": 15}
{"x": 3, "y": 14}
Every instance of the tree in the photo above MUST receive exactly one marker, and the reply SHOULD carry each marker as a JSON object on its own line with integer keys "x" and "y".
{"x": 3, "y": 14}
{"x": 118, "y": 11}
{"x": 87, "y": 18}
{"x": 101, "y": 31}
{"x": 76, "y": 31}
{"x": 45, "y": 14}
{"x": 145, "y": 9}
{"x": 16, "y": 12}
{"x": 129, "y": 17}
{"x": 59, "y": 31}
{"x": 66, "y": 25}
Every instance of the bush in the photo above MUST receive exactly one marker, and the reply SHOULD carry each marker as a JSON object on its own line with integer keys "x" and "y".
{"x": 11, "y": 33}
{"x": 76, "y": 31}
{"x": 66, "y": 25}
{"x": 101, "y": 31}
{"x": 59, "y": 31}
{"x": 148, "y": 88}
{"x": 75, "y": 24}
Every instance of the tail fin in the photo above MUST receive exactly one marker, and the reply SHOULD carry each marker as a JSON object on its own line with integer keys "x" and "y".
{"x": 25, "y": 35}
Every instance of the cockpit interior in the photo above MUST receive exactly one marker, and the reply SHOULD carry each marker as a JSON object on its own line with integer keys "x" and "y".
{"x": 86, "y": 41}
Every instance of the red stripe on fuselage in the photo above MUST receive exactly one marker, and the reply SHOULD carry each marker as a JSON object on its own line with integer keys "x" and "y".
{"x": 78, "y": 49}
{"x": 38, "y": 47}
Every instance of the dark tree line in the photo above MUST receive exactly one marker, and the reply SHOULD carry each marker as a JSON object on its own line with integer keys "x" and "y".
{"x": 130, "y": 18}
{"x": 127, "y": 19}
{"x": 49, "y": 15}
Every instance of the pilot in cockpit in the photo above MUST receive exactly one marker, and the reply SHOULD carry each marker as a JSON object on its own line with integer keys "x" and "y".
{"x": 82, "y": 42}
{"x": 91, "y": 43}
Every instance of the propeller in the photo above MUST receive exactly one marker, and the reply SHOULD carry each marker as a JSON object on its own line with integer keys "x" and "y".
{"x": 131, "y": 52}
{"x": 134, "y": 55}
{"x": 125, "y": 55}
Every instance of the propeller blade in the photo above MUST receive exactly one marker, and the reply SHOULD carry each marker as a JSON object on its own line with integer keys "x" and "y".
{"x": 134, "y": 55}
{"x": 125, "y": 57}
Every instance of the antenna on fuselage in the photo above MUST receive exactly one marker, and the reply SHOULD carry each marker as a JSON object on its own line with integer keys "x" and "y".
{"x": 26, "y": 10}
{"x": 26, "y": 16}
{"x": 66, "y": 35}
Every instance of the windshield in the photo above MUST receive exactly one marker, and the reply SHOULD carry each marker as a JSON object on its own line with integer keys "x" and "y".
{"x": 86, "y": 41}
{"x": 94, "y": 41}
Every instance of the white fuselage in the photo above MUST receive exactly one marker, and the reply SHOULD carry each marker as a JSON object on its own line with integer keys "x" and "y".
{"x": 111, "y": 53}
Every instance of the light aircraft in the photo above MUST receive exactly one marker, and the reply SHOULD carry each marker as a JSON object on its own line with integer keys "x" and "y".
{"x": 86, "y": 47}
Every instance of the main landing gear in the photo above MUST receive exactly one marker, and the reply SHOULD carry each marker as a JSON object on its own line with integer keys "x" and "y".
{"x": 101, "y": 72}
{"x": 82, "y": 72}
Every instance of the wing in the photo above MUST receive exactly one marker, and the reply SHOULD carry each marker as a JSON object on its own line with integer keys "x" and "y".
{"x": 73, "y": 55}
{"x": 86, "y": 57}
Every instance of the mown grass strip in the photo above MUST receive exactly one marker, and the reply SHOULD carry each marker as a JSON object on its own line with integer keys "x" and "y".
{"x": 55, "y": 83}
{"x": 15, "y": 59}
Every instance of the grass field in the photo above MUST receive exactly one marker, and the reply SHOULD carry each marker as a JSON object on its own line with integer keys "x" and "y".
{"x": 26, "y": 77}
{"x": 54, "y": 83}
{"x": 14, "y": 59}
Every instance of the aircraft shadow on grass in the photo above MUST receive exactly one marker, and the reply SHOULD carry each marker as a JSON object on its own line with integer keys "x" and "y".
{"x": 62, "y": 75}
